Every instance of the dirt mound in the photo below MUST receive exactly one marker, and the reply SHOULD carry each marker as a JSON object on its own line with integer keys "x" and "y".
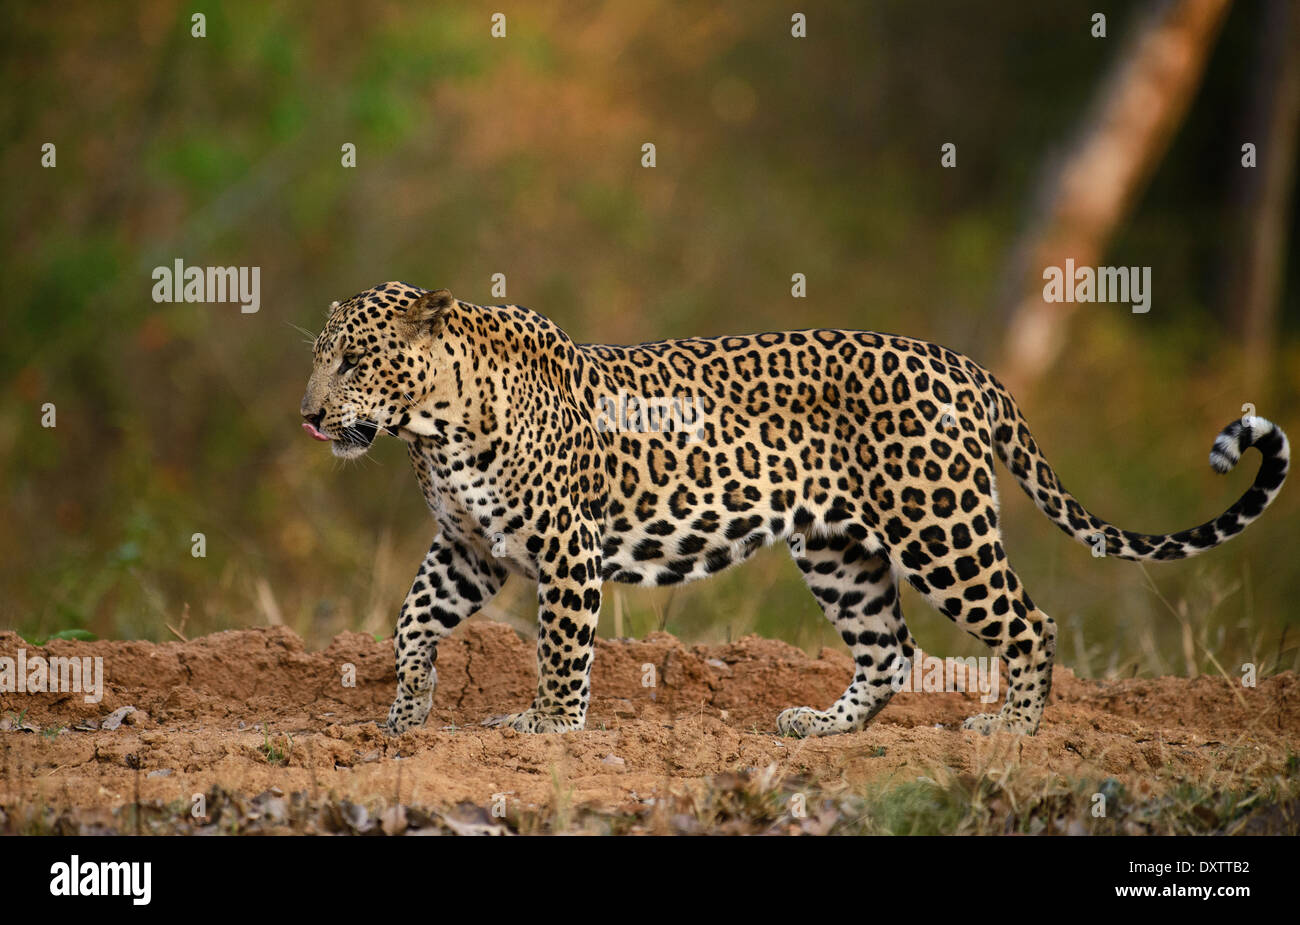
{"x": 251, "y": 711}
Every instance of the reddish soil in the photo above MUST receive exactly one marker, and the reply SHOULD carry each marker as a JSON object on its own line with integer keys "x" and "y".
{"x": 205, "y": 709}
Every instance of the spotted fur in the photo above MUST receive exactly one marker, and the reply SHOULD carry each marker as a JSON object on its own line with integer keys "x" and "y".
{"x": 871, "y": 455}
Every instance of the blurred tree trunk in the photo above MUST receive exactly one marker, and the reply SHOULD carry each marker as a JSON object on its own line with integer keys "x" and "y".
{"x": 1129, "y": 128}
{"x": 1257, "y": 234}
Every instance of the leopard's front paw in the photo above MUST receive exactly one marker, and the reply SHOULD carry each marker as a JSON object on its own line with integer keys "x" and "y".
{"x": 533, "y": 720}
{"x": 805, "y": 721}
{"x": 409, "y": 711}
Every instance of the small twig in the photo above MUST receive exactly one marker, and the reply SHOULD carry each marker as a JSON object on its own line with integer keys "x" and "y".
{"x": 185, "y": 618}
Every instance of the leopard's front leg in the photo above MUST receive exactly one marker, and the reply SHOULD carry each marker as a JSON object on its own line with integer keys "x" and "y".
{"x": 454, "y": 581}
{"x": 567, "y": 613}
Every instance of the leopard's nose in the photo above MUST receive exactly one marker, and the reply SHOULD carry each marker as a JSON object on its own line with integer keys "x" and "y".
{"x": 312, "y": 417}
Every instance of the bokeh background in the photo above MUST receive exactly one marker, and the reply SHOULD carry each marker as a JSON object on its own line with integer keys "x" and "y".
{"x": 522, "y": 155}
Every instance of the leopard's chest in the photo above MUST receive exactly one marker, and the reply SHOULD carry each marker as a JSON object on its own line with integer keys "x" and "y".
{"x": 469, "y": 507}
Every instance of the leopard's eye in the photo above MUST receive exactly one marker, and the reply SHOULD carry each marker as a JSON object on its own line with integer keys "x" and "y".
{"x": 349, "y": 360}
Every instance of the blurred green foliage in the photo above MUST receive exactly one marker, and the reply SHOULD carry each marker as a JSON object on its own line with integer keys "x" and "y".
{"x": 522, "y": 156}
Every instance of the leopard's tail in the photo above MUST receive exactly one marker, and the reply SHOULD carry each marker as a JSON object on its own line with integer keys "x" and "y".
{"x": 1017, "y": 449}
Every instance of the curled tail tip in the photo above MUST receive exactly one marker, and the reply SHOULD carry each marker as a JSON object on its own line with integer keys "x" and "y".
{"x": 1224, "y": 455}
{"x": 1236, "y": 437}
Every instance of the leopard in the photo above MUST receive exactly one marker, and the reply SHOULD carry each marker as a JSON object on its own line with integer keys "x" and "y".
{"x": 869, "y": 455}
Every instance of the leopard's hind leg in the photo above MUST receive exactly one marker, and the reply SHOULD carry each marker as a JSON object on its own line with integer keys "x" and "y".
{"x": 977, "y": 589}
{"x": 857, "y": 592}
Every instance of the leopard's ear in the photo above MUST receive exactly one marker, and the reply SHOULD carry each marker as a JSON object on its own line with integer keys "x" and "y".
{"x": 333, "y": 306}
{"x": 429, "y": 309}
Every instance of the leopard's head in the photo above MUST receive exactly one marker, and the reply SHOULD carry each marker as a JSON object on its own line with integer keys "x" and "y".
{"x": 373, "y": 365}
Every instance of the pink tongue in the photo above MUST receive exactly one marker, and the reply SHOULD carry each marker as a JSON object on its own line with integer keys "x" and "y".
{"x": 311, "y": 429}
